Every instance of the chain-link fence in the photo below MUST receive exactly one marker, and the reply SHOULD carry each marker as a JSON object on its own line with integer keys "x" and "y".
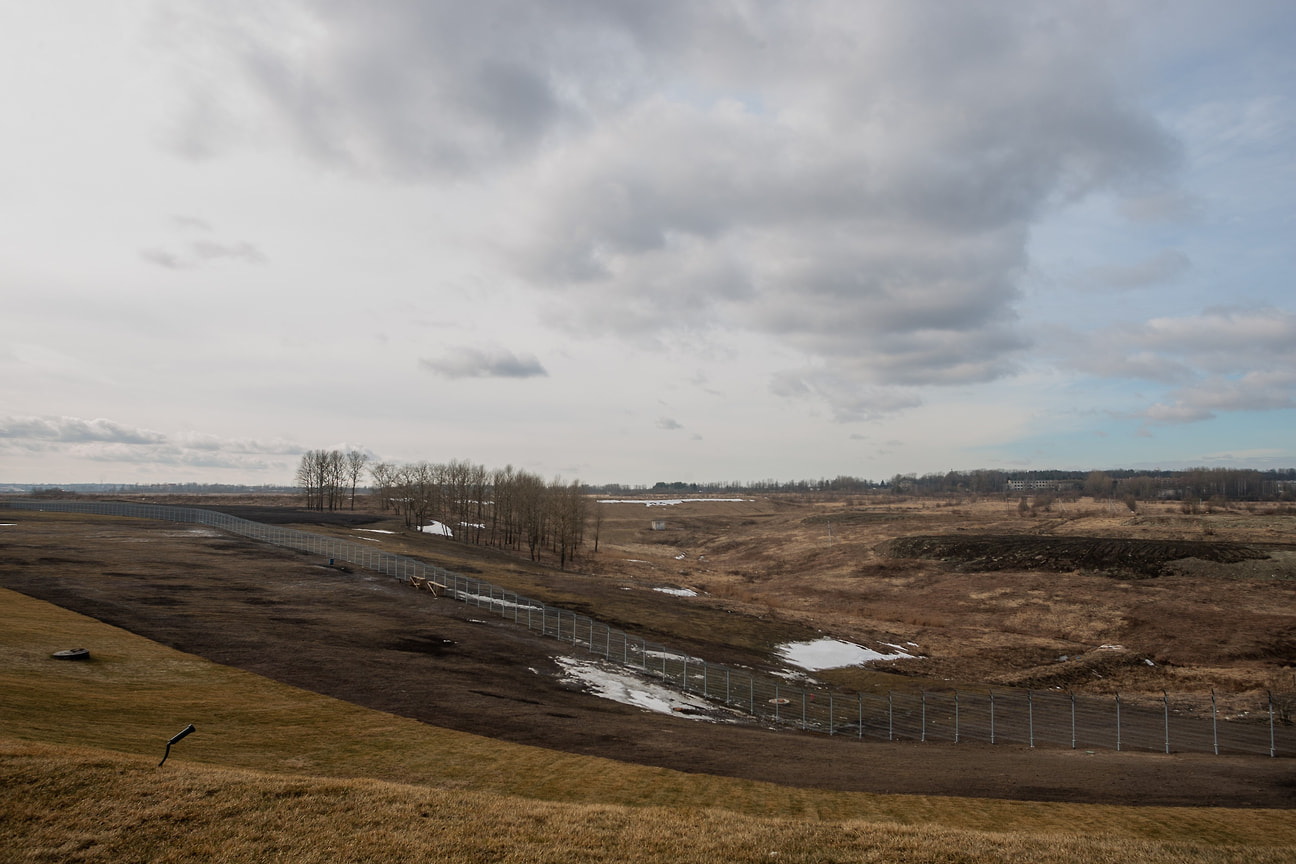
{"x": 1035, "y": 718}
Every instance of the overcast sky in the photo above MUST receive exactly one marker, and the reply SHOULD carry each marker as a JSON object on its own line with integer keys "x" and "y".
{"x": 642, "y": 241}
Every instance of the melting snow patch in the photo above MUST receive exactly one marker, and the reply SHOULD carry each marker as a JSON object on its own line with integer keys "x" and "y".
{"x": 677, "y": 592}
{"x": 832, "y": 654}
{"x": 436, "y": 528}
{"x": 376, "y": 530}
{"x": 480, "y": 599}
{"x": 609, "y": 682}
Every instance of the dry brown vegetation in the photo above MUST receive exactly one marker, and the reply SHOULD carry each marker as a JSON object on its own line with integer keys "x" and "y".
{"x": 992, "y": 596}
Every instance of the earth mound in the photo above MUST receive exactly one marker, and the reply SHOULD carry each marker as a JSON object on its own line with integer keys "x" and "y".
{"x": 1119, "y": 557}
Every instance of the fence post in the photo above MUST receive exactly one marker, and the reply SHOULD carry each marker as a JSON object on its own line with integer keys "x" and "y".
{"x": 1118, "y": 741}
{"x": 686, "y": 674}
{"x": 861, "y": 715}
{"x": 1073, "y": 729}
{"x": 956, "y": 716}
{"x": 992, "y": 737}
{"x": 890, "y": 717}
{"x": 751, "y": 694}
{"x": 1030, "y": 715}
{"x": 803, "y": 709}
{"x": 727, "y": 685}
{"x": 776, "y": 702}
{"x": 1166, "y": 700}
{"x": 832, "y": 730}
{"x": 923, "y": 737}
{"x": 1214, "y": 722}
{"x": 1273, "y": 751}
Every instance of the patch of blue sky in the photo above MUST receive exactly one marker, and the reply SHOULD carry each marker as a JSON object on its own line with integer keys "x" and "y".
{"x": 1257, "y": 439}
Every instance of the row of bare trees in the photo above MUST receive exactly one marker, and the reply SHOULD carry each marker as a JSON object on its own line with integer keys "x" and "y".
{"x": 327, "y": 478}
{"x": 505, "y": 507}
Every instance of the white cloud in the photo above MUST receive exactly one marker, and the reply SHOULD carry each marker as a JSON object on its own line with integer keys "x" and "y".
{"x": 74, "y": 430}
{"x": 1222, "y": 360}
{"x": 813, "y": 177}
{"x": 200, "y": 252}
{"x": 484, "y": 363}
{"x": 102, "y": 440}
{"x": 1161, "y": 267}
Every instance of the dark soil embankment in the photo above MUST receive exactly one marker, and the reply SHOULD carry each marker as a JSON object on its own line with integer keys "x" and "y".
{"x": 1121, "y": 557}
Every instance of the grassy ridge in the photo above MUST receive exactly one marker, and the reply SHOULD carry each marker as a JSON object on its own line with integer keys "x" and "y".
{"x": 115, "y": 807}
{"x": 276, "y": 768}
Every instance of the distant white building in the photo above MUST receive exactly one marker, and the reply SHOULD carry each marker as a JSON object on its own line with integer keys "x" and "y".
{"x": 1034, "y": 485}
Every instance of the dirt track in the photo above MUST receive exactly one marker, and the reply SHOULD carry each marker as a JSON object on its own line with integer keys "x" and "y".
{"x": 370, "y": 640}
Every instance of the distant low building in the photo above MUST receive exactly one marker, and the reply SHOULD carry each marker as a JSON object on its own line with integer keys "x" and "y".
{"x": 1040, "y": 485}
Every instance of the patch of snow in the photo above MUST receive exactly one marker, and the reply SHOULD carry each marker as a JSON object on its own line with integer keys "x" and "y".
{"x": 369, "y": 539}
{"x": 679, "y": 557}
{"x": 671, "y": 655}
{"x": 376, "y": 530}
{"x": 436, "y": 528}
{"x": 1148, "y": 662}
{"x": 677, "y": 592}
{"x": 832, "y": 654}
{"x": 7, "y": 524}
{"x": 610, "y": 682}
{"x": 635, "y": 561}
{"x": 484, "y": 598}
{"x": 1111, "y": 647}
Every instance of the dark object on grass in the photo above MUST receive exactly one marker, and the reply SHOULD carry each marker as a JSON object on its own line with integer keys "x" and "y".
{"x": 182, "y": 733}
{"x": 72, "y": 654}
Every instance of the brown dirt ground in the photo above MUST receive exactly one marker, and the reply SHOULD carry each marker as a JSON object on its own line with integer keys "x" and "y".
{"x": 370, "y": 640}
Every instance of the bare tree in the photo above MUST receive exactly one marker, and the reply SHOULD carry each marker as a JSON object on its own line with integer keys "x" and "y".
{"x": 384, "y": 476}
{"x": 598, "y": 524}
{"x": 353, "y": 466}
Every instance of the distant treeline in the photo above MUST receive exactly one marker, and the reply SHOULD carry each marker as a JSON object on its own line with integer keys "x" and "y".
{"x": 1231, "y": 484}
